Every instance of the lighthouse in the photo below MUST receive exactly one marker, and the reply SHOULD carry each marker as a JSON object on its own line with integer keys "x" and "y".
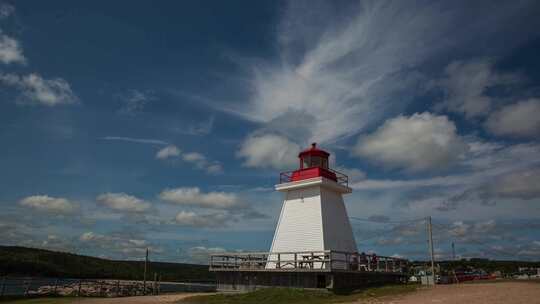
{"x": 313, "y": 245}
{"x": 313, "y": 216}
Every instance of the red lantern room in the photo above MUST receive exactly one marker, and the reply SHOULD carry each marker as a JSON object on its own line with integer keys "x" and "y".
{"x": 313, "y": 163}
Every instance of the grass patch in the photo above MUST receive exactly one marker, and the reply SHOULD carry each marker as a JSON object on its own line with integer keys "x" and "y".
{"x": 50, "y": 300}
{"x": 297, "y": 296}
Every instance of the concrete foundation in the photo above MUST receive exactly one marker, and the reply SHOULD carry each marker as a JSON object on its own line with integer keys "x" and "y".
{"x": 336, "y": 281}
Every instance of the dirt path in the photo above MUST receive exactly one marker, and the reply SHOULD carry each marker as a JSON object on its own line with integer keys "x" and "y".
{"x": 163, "y": 299}
{"x": 492, "y": 293}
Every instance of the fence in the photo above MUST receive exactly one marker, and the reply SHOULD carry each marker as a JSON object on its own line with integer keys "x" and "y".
{"x": 306, "y": 261}
{"x": 289, "y": 176}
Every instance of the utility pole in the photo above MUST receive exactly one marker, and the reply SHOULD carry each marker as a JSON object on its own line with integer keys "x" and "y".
{"x": 430, "y": 240}
{"x": 145, "y": 268}
{"x": 453, "y": 252}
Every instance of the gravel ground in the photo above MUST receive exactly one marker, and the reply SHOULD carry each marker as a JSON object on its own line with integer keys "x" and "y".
{"x": 480, "y": 293}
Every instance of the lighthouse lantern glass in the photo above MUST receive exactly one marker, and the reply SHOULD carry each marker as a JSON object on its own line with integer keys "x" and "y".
{"x": 316, "y": 161}
{"x": 309, "y": 161}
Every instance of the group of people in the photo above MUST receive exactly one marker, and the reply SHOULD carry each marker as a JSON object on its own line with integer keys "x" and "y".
{"x": 365, "y": 262}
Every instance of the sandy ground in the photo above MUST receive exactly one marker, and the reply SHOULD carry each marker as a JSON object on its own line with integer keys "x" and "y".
{"x": 163, "y": 299}
{"x": 492, "y": 293}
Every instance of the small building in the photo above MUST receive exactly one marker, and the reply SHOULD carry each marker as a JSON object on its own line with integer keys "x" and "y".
{"x": 313, "y": 245}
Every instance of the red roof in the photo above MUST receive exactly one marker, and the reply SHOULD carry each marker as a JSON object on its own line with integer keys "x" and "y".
{"x": 314, "y": 151}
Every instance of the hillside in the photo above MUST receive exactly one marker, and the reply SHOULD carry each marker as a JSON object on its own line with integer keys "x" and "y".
{"x": 22, "y": 261}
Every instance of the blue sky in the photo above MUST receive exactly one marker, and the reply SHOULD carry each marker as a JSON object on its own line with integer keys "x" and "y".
{"x": 165, "y": 125}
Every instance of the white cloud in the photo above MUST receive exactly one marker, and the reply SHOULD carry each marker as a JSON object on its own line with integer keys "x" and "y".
{"x": 492, "y": 179}
{"x": 466, "y": 84}
{"x": 193, "y": 157}
{"x": 123, "y": 202}
{"x": 136, "y": 140}
{"x": 517, "y": 120}
{"x": 37, "y": 90}
{"x": 354, "y": 175}
{"x": 192, "y": 196}
{"x": 214, "y": 168}
{"x": 200, "y": 254}
{"x": 269, "y": 151}
{"x": 168, "y": 152}
{"x": 523, "y": 184}
{"x": 390, "y": 241}
{"x": 473, "y": 230}
{"x": 201, "y": 162}
{"x": 10, "y": 49}
{"x": 125, "y": 245}
{"x": 419, "y": 142}
{"x": 197, "y": 159}
{"x": 485, "y": 161}
{"x": 49, "y": 204}
{"x": 192, "y": 219}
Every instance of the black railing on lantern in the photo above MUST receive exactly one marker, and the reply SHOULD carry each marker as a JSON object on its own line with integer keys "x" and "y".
{"x": 342, "y": 179}
{"x": 307, "y": 261}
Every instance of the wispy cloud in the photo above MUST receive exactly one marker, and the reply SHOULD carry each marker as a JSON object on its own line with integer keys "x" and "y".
{"x": 134, "y": 101}
{"x": 203, "y": 127}
{"x": 136, "y": 140}
{"x": 343, "y": 69}
{"x": 466, "y": 84}
{"x": 6, "y": 10}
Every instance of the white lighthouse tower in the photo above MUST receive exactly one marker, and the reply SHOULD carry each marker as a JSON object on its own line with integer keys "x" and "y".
{"x": 313, "y": 216}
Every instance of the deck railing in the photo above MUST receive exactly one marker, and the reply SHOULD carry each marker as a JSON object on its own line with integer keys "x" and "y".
{"x": 306, "y": 261}
{"x": 342, "y": 179}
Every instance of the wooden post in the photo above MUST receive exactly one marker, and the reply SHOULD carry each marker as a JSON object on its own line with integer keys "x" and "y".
{"x": 118, "y": 288}
{"x": 55, "y": 286}
{"x": 295, "y": 260}
{"x": 278, "y": 260}
{"x": 27, "y": 287}
{"x": 155, "y": 284}
{"x": 330, "y": 262}
{"x": 3, "y": 287}
{"x": 79, "y": 290}
{"x": 430, "y": 241}
{"x": 145, "y": 268}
